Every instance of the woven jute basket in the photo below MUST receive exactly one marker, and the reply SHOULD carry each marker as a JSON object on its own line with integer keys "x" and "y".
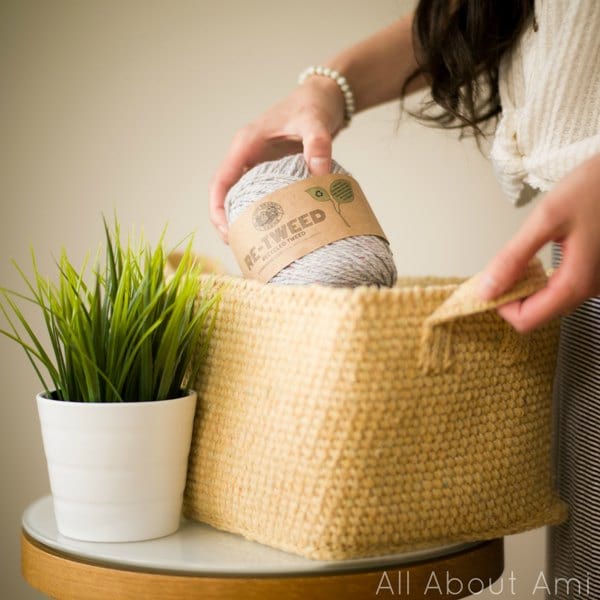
{"x": 342, "y": 423}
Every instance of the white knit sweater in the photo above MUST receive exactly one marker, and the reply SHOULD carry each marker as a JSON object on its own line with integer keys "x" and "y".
{"x": 550, "y": 95}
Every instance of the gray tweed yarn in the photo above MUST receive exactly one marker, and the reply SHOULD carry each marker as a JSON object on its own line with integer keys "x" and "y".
{"x": 350, "y": 262}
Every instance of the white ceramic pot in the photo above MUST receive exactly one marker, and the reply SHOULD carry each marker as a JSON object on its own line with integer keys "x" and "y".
{"x": 117, "y": 470}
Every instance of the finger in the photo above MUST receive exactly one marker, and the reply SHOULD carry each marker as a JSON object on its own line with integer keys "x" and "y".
{"x": 510, "y": 312}
{"x": 566, "y": 289}
{"x": 218, "y": 217}
{"x": 243, "y": 151}
{"x": 542, "y": 226}
{"x": 316, "y": 141}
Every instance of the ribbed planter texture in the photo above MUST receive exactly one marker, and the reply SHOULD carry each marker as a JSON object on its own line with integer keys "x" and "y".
{"x": 117, "y": 470}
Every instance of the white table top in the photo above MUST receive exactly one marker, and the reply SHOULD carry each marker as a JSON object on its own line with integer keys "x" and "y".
{"x": 203, "y": 550}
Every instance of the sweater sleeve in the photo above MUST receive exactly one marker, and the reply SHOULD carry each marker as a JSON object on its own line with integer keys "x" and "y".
{"x": 550, "y": 95}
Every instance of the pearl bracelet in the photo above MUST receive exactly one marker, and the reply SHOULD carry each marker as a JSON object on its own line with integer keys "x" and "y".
{"x": 349, "y": 105}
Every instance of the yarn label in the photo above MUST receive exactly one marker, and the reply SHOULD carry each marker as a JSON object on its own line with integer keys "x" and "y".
{"x": 295, "y": 220}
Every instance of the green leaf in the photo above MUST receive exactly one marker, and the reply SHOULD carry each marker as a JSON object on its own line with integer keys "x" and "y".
{"x": 341, "y": 190}
{"x": 318, "y": 193}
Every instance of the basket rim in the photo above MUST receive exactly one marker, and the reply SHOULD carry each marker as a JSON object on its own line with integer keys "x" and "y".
{"x": 408, "y": 285}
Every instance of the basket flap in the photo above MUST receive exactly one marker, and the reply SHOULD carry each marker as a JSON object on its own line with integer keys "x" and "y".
{"x": 437, "y": 329}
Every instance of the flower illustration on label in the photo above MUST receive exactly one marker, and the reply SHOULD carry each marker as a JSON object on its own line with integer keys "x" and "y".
{"x": 267, "y": 215}
{"x": 340, "y": 192}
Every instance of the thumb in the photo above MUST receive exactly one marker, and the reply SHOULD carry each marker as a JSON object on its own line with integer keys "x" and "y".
{"x": 316, "y": 141}
{"x": 510, "y": 263}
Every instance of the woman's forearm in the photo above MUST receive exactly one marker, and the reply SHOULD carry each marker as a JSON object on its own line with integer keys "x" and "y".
{"x": 376, "y": 68}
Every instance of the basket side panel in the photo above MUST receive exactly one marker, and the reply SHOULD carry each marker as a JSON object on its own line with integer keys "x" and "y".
{"x": 267, "y": 434}
{"x": 458, "y": 456}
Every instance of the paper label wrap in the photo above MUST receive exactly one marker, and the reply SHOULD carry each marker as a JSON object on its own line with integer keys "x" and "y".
{"x": 295, "y": 220}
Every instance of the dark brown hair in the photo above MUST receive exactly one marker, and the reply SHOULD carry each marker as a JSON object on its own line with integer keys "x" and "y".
{"x": 458, "y": 45}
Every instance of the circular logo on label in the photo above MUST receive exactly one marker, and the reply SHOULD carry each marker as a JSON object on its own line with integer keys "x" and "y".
{"x": 267, "y": 215}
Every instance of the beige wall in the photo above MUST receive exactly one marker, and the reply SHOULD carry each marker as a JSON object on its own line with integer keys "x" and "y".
{"x": 130, "y": 106}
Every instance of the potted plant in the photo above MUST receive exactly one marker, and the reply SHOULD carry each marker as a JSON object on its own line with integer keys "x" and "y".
{"x": 125, "y": 344}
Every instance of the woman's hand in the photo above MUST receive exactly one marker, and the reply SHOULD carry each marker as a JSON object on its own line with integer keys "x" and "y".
{"x": 307, "y": 120}
{"x": 569, "y": 214}
{"x": 310, "y": 117}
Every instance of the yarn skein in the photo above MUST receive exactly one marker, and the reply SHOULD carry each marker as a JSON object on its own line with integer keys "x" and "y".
{"x": 349, "y": 262}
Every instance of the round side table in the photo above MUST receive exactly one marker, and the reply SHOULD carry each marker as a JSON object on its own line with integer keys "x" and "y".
{"x": 199, "y": 561}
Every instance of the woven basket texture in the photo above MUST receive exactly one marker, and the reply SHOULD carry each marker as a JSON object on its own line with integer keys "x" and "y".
{"x": 345, "y": 423}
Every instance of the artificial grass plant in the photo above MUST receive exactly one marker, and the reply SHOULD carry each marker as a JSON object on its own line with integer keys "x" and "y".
{"x": 126, "y": 333}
